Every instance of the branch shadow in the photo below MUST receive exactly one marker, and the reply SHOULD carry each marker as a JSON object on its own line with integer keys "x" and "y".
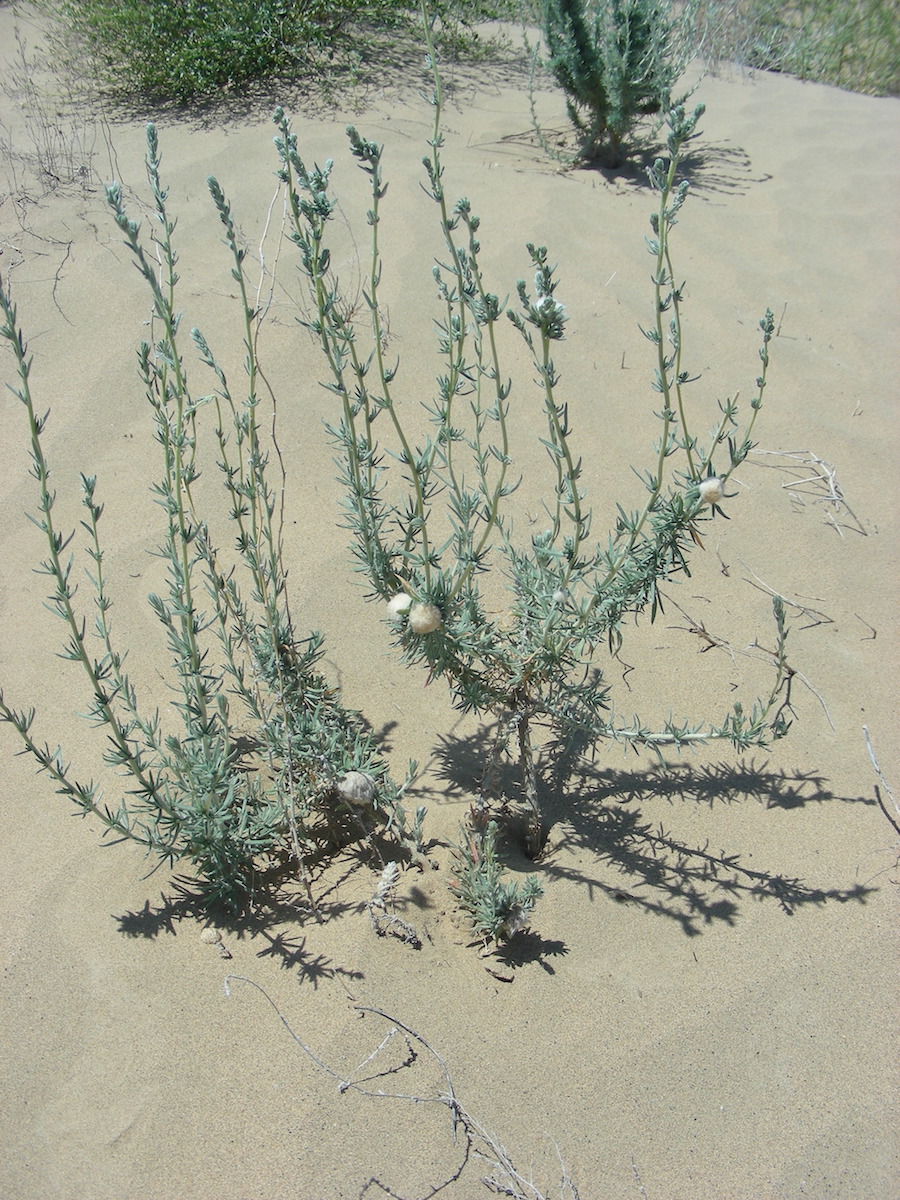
{"x": 600, "y": 813}
{"x": 711, "y": 168}
{"x": 279, "y": 906}
{"x": 311, "y": 968}
{"x": 719, "y": 168}
{"x": 694, "y": 886}
{"x": 527, "y": 946}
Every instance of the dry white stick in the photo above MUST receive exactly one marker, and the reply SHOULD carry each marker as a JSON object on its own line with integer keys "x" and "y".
{"x": 823, "y": 479}
{"x": 262, "y": 309}
{"x": 884, "y": 783}
{"x": 816, "y": 615}
{"x": 699, "y": 629}
{"x": 514, "y": 1184}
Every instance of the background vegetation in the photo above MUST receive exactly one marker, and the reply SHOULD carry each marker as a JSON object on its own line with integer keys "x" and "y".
{"x": 853, "y": 44}
{"x": 182, "y": 50}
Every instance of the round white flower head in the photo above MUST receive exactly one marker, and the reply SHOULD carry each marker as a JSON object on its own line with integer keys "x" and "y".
{"x": 561, "y": 595}
{"x": 398, "y": 606}
{"x": 424, "y": 618}
{"x": 357, "y": 788}
{"x": 711, "y": 490}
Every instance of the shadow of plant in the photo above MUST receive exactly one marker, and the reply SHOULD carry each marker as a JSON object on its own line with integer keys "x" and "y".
{"x": 529, "y": 947}
{"x": 311, "y": 968}
{"x": 712, "y": 168}
{"x": 600, "y": 812}
{"x": 692, "y": 885}
{"x": 283, "y": 906}
{"x": 719, "y": 167}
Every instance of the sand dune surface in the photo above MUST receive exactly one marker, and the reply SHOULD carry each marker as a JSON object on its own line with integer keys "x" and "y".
{"x": 705, "y": 1006}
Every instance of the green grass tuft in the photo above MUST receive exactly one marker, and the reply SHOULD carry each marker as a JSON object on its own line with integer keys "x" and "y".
{"x": 184, "y": 50}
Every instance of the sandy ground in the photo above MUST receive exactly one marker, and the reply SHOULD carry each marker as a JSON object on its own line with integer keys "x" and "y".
{"x": 705, "y": 1008}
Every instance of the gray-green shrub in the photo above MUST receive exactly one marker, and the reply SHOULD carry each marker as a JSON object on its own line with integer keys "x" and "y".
{"x": 268, "y": 767}
{"x": 497, "y": 909}
{"x": 430, "y": 519}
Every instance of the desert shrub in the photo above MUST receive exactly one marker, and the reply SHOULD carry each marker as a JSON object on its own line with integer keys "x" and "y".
{"x": 55, "y": 151}
{"x": 514, "y": 625}
{"x": 268, "y": 769}
{"x": 616, "y": 61}
{"x": 196, "y": 47}
{"x": 853, "y": 44}
{"x": 182, "y": 51}
{"x": 498, "y": 910}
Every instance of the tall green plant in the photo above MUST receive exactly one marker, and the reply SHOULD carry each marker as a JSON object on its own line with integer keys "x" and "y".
{"x": 430, "y": 519}
{"x": 616, "y": 62}
{"x": 268, "y": 765}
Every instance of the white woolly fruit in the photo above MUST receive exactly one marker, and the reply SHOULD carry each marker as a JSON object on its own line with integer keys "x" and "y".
{"x": 517, "y": 920}
{"x": 712, "y": 490}
{"x": 425, "y": 618}
{"x": 398, "y": 606}
{"x": 357, "y": 788}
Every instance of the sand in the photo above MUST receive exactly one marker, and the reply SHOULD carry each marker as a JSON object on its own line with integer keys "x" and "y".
{"x": 705, "y": 1006}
